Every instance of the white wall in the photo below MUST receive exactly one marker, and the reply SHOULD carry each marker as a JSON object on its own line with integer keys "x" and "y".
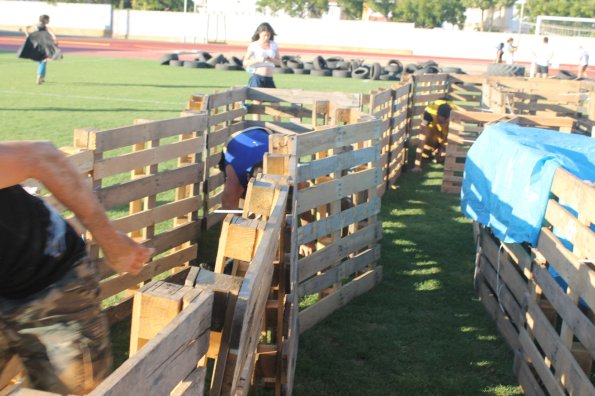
{"x": 381, "y": 37}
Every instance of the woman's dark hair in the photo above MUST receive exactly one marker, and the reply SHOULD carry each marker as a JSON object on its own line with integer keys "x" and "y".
{"x": 263, "y": 27}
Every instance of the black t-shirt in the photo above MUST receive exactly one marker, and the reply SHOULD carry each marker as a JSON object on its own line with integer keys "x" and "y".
{"x": 37, "y": 246}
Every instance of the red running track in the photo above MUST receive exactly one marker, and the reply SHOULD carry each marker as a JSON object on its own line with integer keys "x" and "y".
{"x": 11, "y": 41}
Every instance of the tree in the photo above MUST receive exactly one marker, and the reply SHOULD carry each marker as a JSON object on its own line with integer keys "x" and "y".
{"x": 430, "y": 13}
{"x": 569, "y": 8}
{"x": 490, "y": 6}
{"x": 295, "y": 8}
{"x": 385, "y": 7}
{"x": 352, "y": 9}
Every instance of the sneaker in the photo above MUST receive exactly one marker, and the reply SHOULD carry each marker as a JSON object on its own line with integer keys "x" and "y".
{"x": 40, "y": 80}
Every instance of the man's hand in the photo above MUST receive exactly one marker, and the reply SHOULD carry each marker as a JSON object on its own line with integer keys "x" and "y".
{"x": 307, "y": 249}
{"x": 125, "y": 255}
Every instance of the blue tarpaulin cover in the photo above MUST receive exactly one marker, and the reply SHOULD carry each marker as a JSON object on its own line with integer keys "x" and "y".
{"x": 509, "y": 172}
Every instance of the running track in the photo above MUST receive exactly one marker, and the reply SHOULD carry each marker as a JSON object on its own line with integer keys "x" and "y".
{"x": 90, "y": 46}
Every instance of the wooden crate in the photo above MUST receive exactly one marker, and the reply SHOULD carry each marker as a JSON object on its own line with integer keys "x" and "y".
{"x": 549, "y": 328}
{"x": 466, "y": 126}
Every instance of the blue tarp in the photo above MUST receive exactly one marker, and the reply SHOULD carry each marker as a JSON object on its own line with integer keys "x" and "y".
{"x": 509, "y": 172}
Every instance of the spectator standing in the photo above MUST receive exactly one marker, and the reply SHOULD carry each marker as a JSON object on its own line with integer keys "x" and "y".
{"x": 499, "y": 53}
{"x": 543, "y": 57}
{"x": 509, "y": 50}
{"x": 583, "y": 62}
{"x": 261, "y": 57}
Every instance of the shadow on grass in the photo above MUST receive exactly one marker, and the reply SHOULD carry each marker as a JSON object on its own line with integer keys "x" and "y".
{"x": 422, "y": 331}
{"x": 87, "y": 110}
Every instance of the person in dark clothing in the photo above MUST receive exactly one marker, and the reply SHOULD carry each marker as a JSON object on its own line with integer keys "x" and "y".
{"x": 50, "y": 315}
{"x": 45, "y": 40}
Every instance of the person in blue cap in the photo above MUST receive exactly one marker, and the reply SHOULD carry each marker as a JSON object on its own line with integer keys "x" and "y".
{"x": 241, "y": 160}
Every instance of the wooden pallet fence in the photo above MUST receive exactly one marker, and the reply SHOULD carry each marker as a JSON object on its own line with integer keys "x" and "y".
{"x": 240, "y": 108}
{"x": 466, "y": 91}
{"x": 391, "y": 107}
{"x": 466, "y": 126}
{"x": 548, "y": 326}
{"x": 426, "y": 88}
{"x": 546, "y": 97}
{"x": 337, "y": 171}
{"x": 398, "y": 136}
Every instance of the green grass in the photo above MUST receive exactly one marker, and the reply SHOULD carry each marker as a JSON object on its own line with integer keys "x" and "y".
{"x": 421, "y": 331}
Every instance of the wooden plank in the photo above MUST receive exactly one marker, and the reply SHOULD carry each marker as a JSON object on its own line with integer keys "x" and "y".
{"x": 324, "y": 307}
{"x": 120, "y": 194}
{"x": 339, "y": 272}
{"x": 337, "y": 189}
{"x": 157, "y": 215}
{"x": 155, "y": 305}
{"x": 127, "y": 136}
{"x": 336, "y": 222}
{"x": 335, "y": 137}
{"x": 582, "y": 327}
{"x": 565, "y": 365}
{"x": 226, "y": 97}
{"x": 580, "y": 278}
{"x": 338, "y": 250}
{"x": 569, "y": 227}
{"x": 193, "y": 384}
{"x": 574, "y": 192}
{"x": 340, "y": 99}
{"x": 336, "y": 163}
{"x": 127, "y": 162}
{"x": 235, "y": 115}
{"x": 121, "y": 282}
{"x": 168, "y": 358}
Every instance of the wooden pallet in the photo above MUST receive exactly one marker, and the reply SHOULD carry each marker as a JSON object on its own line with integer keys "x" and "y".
{"x": 550, "y": 329}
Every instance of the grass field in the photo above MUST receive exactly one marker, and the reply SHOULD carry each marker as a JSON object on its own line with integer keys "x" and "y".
{"x": 421, "y": 331}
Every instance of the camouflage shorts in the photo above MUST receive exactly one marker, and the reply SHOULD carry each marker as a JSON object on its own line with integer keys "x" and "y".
{"x": 59, "y": 333}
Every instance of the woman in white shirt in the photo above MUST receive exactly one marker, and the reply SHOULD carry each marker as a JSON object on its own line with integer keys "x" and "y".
{"x": 261, "y": 57}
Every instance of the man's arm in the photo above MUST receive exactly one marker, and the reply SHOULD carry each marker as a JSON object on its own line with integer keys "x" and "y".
{"x": 42, "y": 161}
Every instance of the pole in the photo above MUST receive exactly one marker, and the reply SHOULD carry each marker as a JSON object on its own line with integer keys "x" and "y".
{"x": 522, "y": 2}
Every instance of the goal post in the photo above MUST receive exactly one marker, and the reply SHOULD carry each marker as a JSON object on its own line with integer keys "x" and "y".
{"x": 565, "y": 26}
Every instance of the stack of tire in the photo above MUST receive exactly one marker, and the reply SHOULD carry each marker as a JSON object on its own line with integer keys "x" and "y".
{"x": 502, "y": 69}
{"x": 203, "y": 60}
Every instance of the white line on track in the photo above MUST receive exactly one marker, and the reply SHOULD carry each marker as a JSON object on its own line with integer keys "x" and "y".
{"x": 99, "y": 98}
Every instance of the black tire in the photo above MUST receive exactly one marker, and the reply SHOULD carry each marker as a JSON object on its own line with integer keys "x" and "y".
{"x": 226, "y": 67}
{"x": 282, "y": 70}
{"x": 191, "y": 64}
{"x": 388, "y": 77}
{"x": 411, "y": 68}
{"x": 203, "y": 65}
{"x": 217, "y": 60}
{"x": 319, "y": 63}
{"x": 308, "y": 65}
{"x": 331, "y": 63}
{"x": 394, "y": 66}
{"x": 361, "y": 72}
{"x": 355, "y": 63}
{"x": 176, "y": 63}
{"x": 320, "y": 73}
{"x": 285, "y": 59}
{"x": 295, "y": 64}
{"x": 428, "y": 63}
{"x": 165, "y": 59}
{"x": 565, "y": 75}
{"x": 451, "y": 70}
{"x": 203, "y": 56}
{"x": 343, "y": 65}
{"x": 376, "y": 71}
{"x": 502, "y": 69}
{"x": 301, "y": 71}
{"x": 234, "y": 60}
{"x": 341, "y": 73}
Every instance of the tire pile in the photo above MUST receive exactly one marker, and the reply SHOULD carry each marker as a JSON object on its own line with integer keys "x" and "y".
{"x": 337, "y": 67}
